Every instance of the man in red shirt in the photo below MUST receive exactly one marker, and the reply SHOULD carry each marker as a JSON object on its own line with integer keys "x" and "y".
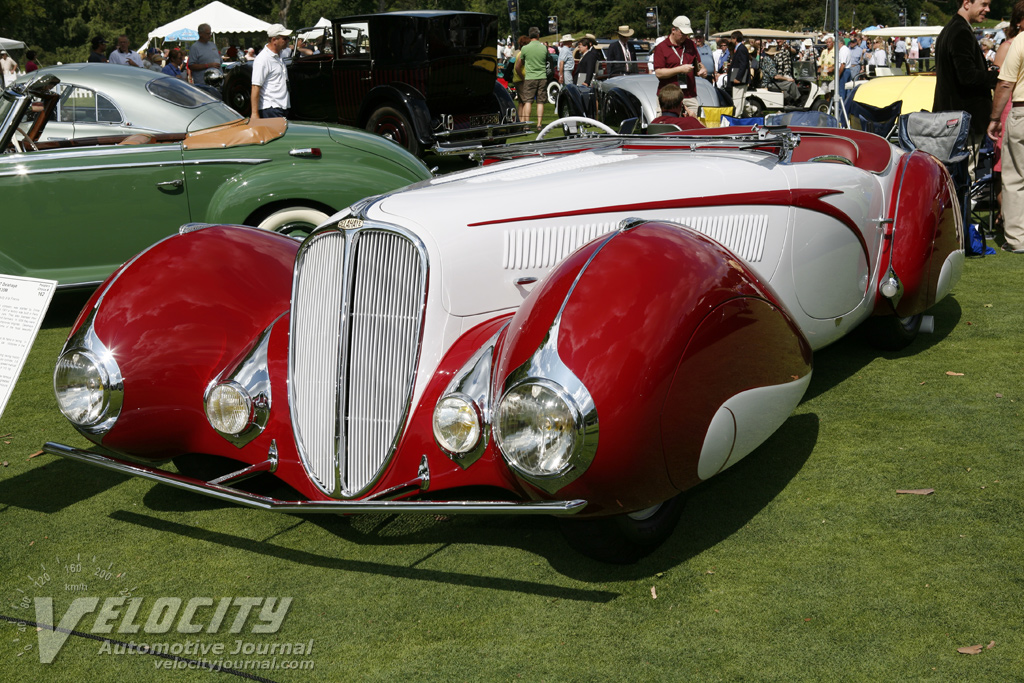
{"x": 676, "y": 60}
{"x": 671, "y": 100}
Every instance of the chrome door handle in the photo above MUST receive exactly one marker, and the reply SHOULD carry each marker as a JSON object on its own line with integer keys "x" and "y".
{"x": 170, "y": 184}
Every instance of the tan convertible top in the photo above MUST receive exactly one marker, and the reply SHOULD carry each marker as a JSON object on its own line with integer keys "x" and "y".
{"x": 769, "y": 33}
{"x": 237, "y": 133}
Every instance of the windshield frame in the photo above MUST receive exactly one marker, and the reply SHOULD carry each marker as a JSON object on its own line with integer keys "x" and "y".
{"x": 12, "y": 110}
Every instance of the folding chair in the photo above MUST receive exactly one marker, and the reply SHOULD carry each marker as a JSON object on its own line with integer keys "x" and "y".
{"x": 877, "y": 120}
{"x": 983, "y": 190}
{"x": 943, "y": 135}
{"x": 802, "y": 118}
{"x": 733, "y": 121}
{"x": 712, "y": 116}
{"x": 659, "y": 128}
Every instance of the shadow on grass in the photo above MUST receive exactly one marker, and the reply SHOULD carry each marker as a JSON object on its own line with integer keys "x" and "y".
{"x": 57, "y": 485}
{"x": 715, "y": 510}
{"x": 842, "y": 360}
{"x": 376, "y": 568}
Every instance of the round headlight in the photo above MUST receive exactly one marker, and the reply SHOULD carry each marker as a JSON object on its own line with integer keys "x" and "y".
{"x": 456, "y": 424}
{"x": 80, "y": 383}
{"x": 537, "y": 426}
{"x": 229, "y": 408}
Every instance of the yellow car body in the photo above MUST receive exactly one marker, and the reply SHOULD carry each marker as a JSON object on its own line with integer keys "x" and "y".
{"x": 916, "y": 91}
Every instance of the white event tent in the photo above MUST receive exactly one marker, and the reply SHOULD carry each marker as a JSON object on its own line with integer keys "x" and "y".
{"x": 221, "y": 18}
{"x": 8, "y": 44}
{"x": 316, "y": 30}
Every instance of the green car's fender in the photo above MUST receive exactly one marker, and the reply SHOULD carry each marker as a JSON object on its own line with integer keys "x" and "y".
{"x": 254, "y": 193}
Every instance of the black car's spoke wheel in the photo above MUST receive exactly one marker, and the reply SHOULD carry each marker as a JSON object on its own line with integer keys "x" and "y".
{"x": 391, "y": 123}
{"x": 238, "y": 97}
{"x": 892, "y": 333}
{"x": 552, "y": 91}
{"x": 297, "y": 221}
{"x": 624, "y": 539}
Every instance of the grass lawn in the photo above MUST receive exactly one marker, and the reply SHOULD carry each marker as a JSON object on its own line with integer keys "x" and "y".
{"x": 801, "y": 563}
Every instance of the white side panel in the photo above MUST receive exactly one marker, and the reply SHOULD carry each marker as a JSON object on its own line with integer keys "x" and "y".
{"x": 952, "y": 267}
{"x": 750, "y": 417}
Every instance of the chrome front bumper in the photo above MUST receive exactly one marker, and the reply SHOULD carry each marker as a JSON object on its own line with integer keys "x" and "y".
{"x": 227, "y": 493}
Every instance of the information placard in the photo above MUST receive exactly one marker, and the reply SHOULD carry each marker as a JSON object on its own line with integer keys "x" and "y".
{"x": 23, "y": 304}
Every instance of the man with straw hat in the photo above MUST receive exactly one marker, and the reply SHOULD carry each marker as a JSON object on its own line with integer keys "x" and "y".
{"x": 566, "y": 62}
{"x": 620, "y": 54}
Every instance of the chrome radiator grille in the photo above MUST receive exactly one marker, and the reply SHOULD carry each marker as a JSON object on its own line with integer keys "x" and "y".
{"x": 357, "y": 307}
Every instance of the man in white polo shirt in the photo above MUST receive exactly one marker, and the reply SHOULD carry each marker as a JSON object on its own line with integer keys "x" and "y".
{"x": 124, "y": 54}
{"x": 269, "y": 96}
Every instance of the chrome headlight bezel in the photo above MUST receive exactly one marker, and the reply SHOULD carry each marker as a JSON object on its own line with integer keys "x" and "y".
{"x": 250, "y": 377}
{"x": 444, "y": 438}
{"x": 86, "y": 344}
{"x": 472, "y": 383}
{"x": 576, "y": 431}
{"x": 209, "y": 398}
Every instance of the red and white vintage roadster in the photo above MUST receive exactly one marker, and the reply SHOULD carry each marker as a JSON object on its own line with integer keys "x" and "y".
{"x": 638, "y": 319}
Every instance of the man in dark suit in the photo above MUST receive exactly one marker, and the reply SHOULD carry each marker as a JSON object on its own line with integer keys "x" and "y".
{"x": 739, "y": 73}
{"x": 622, "y": 55}
{"x": 963, "y": 81}
{"x": 584, "y": 71}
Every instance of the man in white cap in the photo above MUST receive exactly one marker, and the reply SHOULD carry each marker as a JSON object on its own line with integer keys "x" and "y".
{"x": 707, "y": 57}
{"x": 566, "y": 63}
{"x": 807, "y": 53}
{"x": 621, "y": 54}
{"x": 676, "y": 60}
{"x": 269, "y": 95}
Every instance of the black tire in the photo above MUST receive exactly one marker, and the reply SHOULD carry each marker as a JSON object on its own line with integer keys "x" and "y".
{"x": 890, "y": 332}
{"x": 296, "y": 221}
{"x": 624, "y": 539}
{"x": 821, "y": 104}
{"x": 391, "y": 123}
{"x": 563, "y": 108}
{"x": 238, "y": 96}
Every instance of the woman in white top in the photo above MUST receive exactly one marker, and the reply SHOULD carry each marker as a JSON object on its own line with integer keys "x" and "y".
{"x": 879, "y": 56}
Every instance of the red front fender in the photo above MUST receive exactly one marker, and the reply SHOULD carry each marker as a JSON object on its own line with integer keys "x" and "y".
{"x": 662, "y": 326}
{"x": 176, "y": 317}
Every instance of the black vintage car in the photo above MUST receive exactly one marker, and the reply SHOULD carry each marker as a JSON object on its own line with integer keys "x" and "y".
{"x": 416, "y": 77}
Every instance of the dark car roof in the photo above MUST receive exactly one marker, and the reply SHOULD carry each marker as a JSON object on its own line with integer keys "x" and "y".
{"x": 419, "y": 14}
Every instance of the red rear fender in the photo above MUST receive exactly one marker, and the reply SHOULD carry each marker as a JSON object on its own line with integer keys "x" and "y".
{"x": 927, "y": 229}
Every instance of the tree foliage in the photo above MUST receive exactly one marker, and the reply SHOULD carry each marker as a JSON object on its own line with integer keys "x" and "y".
{"x": 60, "y": 30}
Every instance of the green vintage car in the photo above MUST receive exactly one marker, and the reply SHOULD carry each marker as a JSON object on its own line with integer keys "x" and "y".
{"x": 74, "y": 209}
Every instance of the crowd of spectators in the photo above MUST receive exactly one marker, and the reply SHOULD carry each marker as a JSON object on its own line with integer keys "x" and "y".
{"x": 182, "y": 60}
